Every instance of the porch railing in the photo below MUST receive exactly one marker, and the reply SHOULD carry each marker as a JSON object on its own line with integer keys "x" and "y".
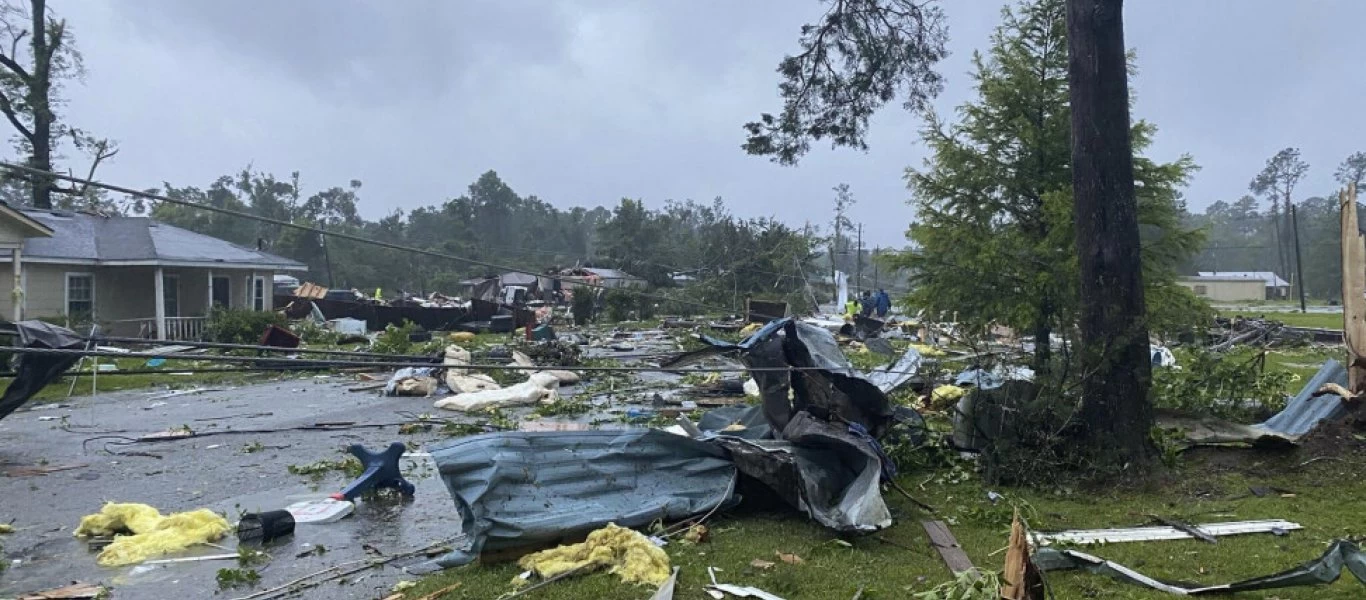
{"x": 178, "y": 329}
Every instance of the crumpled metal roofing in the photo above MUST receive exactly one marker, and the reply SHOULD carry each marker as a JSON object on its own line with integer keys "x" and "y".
{"x": 518, "y": 489}
{"x": 1304, "y": 412}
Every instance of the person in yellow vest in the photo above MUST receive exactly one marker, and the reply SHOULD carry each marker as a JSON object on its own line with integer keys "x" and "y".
{"x": 851, "y": 308}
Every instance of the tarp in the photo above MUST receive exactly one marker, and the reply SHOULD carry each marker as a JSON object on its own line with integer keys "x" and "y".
{"x": 1323, "y": 570}
{"x": 819, "y": 469}
{"x": 519, "y": 489}
{"x": 823, "y": 382}
{"x": 35, "y": 371}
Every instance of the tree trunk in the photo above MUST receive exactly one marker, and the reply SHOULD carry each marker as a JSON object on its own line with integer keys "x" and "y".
{"x": 1116, "y": 414}
{"x": 1043, "y": 336}
{"x": 38, "y": 91}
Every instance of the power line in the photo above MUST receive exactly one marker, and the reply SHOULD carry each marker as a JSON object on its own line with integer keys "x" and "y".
{"x": 342, "y": 235}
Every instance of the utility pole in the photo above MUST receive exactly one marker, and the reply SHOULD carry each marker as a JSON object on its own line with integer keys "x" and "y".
{"x": 859, "y": 268}
{"x": 834, "y": 251}
{"x": 1299, "y": 267}
{"x": 876, "y": 283}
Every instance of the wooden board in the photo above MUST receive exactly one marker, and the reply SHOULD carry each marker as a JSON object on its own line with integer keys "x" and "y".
{"x": 1353, "y": 288}
{"x": 943, "y": 541}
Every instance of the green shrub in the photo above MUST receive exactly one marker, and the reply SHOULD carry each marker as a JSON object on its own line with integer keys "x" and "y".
{"x": 398, "y": 340}
{"x": 619, "y": 305}
{"x": 235, "y": 326}
{"x": 583, "y": 305}
{"x": 1221, "y": 385}
{"x": 313, "y": 333}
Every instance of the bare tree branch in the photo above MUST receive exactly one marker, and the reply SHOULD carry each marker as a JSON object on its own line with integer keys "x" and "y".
{"x": 7, "y": 107}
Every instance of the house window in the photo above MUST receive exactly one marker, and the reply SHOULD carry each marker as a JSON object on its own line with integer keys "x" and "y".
{"x": 258, "y": 293}
{"x": 80, "y": 296}
{"x": 170, "y": 294}
{"x": 221, "y": 293}
{"x": 1201, "y": 290}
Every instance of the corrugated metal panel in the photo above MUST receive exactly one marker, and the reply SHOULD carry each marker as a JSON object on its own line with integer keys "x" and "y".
{"x": 1303, "y": 412}
{"x": 518, "y": 489}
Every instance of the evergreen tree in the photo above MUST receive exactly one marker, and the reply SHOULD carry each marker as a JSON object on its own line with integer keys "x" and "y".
{"x": 995, "y": 238}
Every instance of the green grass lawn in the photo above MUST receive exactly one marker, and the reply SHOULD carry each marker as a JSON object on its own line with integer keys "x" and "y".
{"x": 1294, "y": 319}
{"x": 1210, "y": 485}
{"x": 899, "y": 561}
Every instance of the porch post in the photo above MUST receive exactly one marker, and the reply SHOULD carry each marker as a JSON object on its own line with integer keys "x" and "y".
{"x": 160, "y": 290}
{"x": 208, "y": 308}
{"x": 18, "y": 294}
{"x": 251, "y": 292}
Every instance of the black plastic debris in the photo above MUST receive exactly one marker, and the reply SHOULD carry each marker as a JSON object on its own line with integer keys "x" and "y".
{"x": 34, "y": 371}
{"x": 265, "y": 526}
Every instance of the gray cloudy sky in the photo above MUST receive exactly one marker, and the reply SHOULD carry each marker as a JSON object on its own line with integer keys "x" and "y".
{"x": 587, "y": 101}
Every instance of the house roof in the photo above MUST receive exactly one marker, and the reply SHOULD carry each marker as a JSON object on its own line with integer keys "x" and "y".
{"x": 1271, "y": 279}
{"x": 33, "y": 227}
{"x": 610, "y": 273}
{"x": 80, "y": 238}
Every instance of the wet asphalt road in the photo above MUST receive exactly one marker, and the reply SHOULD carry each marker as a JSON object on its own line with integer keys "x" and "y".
{"x": 212, "y": 472}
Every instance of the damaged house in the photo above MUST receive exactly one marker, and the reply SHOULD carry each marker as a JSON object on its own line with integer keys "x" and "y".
{"x": 131, "y": 275}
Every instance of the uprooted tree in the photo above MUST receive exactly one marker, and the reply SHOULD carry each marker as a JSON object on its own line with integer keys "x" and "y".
{"x": 995, "y": 241}
{"x": 37, "y": 54}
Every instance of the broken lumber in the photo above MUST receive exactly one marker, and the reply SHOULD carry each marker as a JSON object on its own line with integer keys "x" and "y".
{"x": 943, "y": 541}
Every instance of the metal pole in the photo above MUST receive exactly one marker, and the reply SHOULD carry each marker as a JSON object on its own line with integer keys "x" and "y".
{"x": 859, "y": 268}
{"x": 1299, "y": 266}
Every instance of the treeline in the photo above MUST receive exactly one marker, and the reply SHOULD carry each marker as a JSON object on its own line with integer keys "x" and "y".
{"x": 723, "y": 257}
{"x": 1258, "y": 232}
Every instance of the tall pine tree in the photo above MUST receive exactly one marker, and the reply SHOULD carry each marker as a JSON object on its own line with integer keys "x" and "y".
{"x": 995, "y": 240}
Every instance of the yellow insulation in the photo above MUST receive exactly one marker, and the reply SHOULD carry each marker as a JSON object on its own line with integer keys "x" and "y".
{"x": 927, "y": 350}
{"x": 625, "y": 552}
{"x": 142, "y": 532}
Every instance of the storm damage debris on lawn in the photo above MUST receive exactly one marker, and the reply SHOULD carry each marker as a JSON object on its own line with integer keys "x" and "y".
{"x": 813, "y": 443}
{"x": 1311, "y": 406}
{"x": 1161, "y": 532}
{"x": 524, "y": 489}
{"x": 623, "y": 552}
{"x": 1323, "y": 570}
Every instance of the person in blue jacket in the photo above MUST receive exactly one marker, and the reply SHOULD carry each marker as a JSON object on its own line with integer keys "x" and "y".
{"x": 883, "y": 303}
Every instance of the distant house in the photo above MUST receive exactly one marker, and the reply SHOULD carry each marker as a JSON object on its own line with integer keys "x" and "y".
{"x": 130, "y": 275}
{"x": 1225, "y": 288}
{"x": 608, "y": 278}
{"x": 1275, "y": 287}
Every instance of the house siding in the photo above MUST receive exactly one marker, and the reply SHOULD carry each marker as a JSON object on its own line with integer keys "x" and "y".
{"x": 124, "y": 293}
{"x": 1225, "y": 290}
{"x": 11, "y": 233}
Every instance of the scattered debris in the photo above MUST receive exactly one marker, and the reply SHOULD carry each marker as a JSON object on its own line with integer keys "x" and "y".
{"x": 539, "y": 387}
{"x": 265, "y": 526}
{"x": 503, "y": 507}
{"x": 1159, "y": 533}
{"x": 623, "y": 552}
{"x": 1323, "y": 570}
{"x": 381, "y": 472}
{"x": 75, "y": 591}
{"x": 142, "y": 532}
{"x": 943, "y": 541}
{"x": 666, "y": 591}
{"x": 1020, "y": 579}
{"x": 34, "y": 471}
